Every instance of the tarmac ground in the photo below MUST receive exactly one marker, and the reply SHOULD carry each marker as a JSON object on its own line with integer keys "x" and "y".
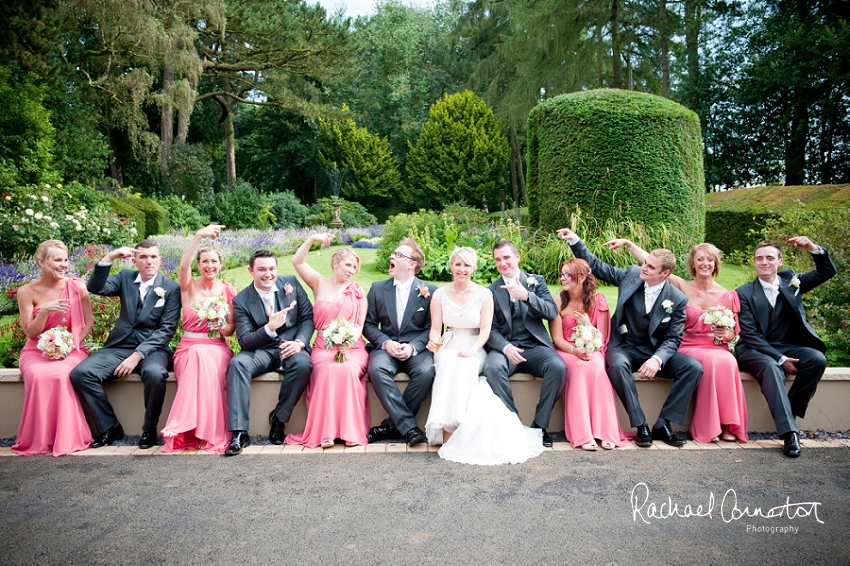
{"x": 624, "y": 506}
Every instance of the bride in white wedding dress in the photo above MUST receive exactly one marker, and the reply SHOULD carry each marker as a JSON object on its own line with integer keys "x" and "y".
{"x": 473, "y": 425}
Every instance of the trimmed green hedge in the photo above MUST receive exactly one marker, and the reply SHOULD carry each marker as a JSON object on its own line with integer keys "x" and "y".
{"x": 735, "y": 220}
{"x": 616, "y": 154}
{"x": 150, "y": 216}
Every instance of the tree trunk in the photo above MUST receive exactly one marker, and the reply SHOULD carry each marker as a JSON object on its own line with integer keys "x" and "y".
{"x": 183, "y": 114}
{"x": 665, "y": 48}
{"x": 523, "y": 197}
{"x": 514, "y": 157}
{"x": 617, "y": 73}
{"x": 166, "y": 128}
{"x": 229, "y": 146}
{"x": 795, "y": 148}
{"x": 114, "y": 165}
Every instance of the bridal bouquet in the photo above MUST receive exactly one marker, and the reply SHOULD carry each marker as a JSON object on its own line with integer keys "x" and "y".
{"x": 56, "y": 343}
{"x": 214, "y": 311}
{"x": 587, "y": 339}
{"x": 719, "y": 317}
{"x": 340, "y": 331}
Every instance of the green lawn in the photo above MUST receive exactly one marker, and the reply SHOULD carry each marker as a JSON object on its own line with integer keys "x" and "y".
{"x": 731, "y": 276}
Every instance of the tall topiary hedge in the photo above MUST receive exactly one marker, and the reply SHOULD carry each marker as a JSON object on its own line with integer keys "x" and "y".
{"x": 154, "y": 216}
{"x": 616, "y": 153}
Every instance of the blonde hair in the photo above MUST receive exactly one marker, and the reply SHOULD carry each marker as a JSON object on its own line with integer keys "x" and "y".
{"x": 467, "y": 255}
{"x": 342, "y": 253}
{"x": 711, "y": 250}
{"x": 207, "y": 248}
{"x": 43, "y": 251}
{"x": 667, "y": 258}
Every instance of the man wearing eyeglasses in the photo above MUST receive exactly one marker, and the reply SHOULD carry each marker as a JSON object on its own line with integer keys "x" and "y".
{"x": 646, "y": 331}
{"x": 398, "y": 320}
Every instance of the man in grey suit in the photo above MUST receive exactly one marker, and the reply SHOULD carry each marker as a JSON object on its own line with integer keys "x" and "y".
{"x": 274, "y": 325}
{"x": 398, "y": 320}
{"x": 150, "y": 310}
{"x": 776, "y": 337}
{"x": 518, "y": 340}
{"x": 646, "y": 331}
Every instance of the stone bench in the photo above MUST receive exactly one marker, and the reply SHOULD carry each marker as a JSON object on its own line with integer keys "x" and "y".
{"x": 827, "y": 411}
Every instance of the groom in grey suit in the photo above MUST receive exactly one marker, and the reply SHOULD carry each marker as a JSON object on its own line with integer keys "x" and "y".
{"x": 518, "y": 340}
{"x": 776, "y": 337}
{"x": 150, "y": 310}
{"x": 398, "y": 320}
{"x": 274, "y": 325}
{"x": 646, "y": 331}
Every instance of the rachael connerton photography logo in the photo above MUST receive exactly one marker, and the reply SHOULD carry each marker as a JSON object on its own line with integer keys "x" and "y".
{"x": 728, "y": 509}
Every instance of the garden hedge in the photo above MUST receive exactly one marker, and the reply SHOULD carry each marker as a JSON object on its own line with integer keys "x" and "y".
{"x": 616, "y": 153}
{"x": 150, "y": 217}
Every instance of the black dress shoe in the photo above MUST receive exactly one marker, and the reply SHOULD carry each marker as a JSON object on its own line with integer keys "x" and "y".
{"x": 384, "y": 431}
{"x": 792, "y": 447}
{"x": 547, "y": 440}
{"x": 239, "y": 441}
{"x": 643, "y": 438}
{"x": 276, "y": 430}
{"x": 666, "y": 434}
{"x": 148, "y": 440}
{"x": 108, "y": 437}
{"x": 415, "y": 436}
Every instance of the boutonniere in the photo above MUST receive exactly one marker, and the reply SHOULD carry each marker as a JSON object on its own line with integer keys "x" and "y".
{"x": 288, "y": 289}
{"x": 531, "y": 281}
{"x": 795, "y": 282}
{"x": 160, "y": 292}
{"x": 424, "y": 292}
{"x": 668, "y": 305}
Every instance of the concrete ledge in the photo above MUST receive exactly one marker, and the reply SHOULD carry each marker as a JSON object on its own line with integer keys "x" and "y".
{"x": 827, "y": 411}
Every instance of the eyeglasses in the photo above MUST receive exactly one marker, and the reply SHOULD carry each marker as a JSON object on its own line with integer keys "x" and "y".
{"x": 564, "y": 275}
{"x": 399, "y": 255}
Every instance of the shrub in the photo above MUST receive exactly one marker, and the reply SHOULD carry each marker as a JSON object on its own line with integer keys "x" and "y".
{"x": 74, "y": 214}
{"x": 190, "y": 173}
{"x": 352, "y": 214}
{"x": 239, "y": 206}
{"x": 181, "y": 214}
{"x": 828, "y": 305}
{"x": 287, "y": 210}
{"x": 627, "y": 155}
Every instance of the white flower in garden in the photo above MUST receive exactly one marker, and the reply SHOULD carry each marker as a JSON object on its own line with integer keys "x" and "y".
{"x": 54, "y": 225}
{"x": 44, "y": 198}
{"x": 79, "y": 228}
{"x": 38, "y": 216}
{"x": 68, "y": 217}
{"x": 15, "y": 227}
{"x": 29, "y": 212}
{"x": 48, "y": 217}
{"x": 106, "y": 231}
{"x": 33, "y": 197}
{"x": 8, "y": 197}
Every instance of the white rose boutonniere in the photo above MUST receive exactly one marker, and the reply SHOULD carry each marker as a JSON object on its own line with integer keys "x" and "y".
{"x": 160, "y": 292}
{"x": 795, "y": 282}
{"x": 531, "y": 281}
{"x": 668, "y": 306}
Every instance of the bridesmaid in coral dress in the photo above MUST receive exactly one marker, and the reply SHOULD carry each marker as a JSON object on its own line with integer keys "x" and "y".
{"x": 337, "y": 400}
{"x": 53, "y": 421}
{"x": 590, "y": 406}
{"x": 721, "y": 408}
{"x": 198, "y": 417}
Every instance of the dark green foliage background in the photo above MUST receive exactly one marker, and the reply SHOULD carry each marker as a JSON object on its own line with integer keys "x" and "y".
{"x": 616, "y": 153}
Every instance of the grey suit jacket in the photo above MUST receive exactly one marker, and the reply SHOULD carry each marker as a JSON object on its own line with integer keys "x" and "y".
{"x": 147, "y": 329}
{"x": 250, "y": 314}
{"x": 665, "y": 328}
{"x": 539, "y": 306}
{"x": 381, "y": 324}
{"x": 755, "y": 308}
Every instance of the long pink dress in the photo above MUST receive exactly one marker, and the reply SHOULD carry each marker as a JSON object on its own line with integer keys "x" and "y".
{"x": 720, "y": 394}
{"x": 53, "y": 421}
{"x": 199, "y": 412}
{"x": 590, "y": 405}
{"x": 337, "y": 400}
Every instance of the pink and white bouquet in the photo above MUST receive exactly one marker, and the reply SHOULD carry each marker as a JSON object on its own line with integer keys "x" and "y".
{"x": 56, "y": 343}
{"x": 340, "y": 331}
{"x": 587, "y": 339}
{"x": 213, "y": 311}
{"x": 719, "y": 317}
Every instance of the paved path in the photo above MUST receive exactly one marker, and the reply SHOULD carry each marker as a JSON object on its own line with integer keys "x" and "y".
{"x": 413, "y": 508}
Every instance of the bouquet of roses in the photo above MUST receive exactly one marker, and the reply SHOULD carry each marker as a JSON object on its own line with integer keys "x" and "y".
{"x": 587, "y": 339}
{"x": 340, "y": 331}
{"x": 214, "y": 311}
{"x": 56, "y": 343}
{"x": 719, "y": 317}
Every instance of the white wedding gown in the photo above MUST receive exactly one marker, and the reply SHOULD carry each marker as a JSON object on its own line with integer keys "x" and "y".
{"x": 485, "y": 431}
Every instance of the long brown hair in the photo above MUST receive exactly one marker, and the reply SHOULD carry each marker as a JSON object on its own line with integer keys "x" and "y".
{"x": 577, "y": 267}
